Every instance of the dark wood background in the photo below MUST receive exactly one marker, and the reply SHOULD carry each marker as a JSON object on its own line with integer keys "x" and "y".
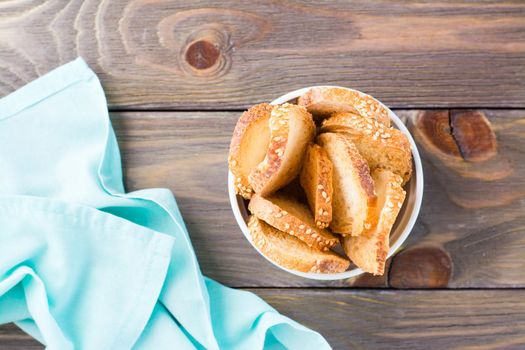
{"x": 178, "y": 74}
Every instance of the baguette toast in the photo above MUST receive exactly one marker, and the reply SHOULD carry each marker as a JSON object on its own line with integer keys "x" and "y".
{"x": 354, "y": 195}
{"x": 291, "y": 130}
{"x": 324, "y": 101}
{"x": 291, "y": 253}
{"x": 292, "y": 217}
{"x": 382, "y": 147}
{"x": 316, "y": 180}
{"x": 369, "y": 250}
{"x": 248, "y": 145}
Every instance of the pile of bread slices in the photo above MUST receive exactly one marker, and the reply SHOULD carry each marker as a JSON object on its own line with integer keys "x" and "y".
{"x": 323, "y": 171}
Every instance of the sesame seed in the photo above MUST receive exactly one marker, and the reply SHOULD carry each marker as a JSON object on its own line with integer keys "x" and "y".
{"x": 285, "y": 212}
{"x": 292, "y": 232}
{"x": 325, "y": 213}
{"x": 319, "y": 223}
{"x": 324, "y": 194}
{"x": 286, "y": 225}
{"x": 308, "y": 231}
{"x": 320, "y": 211}
{"x": 314, "y": 235}
{"x": 325, "y": 249}
{"x": 327, "y": 199}
{"x": 320, "y": 187}
{"x": 301, "y": 227}
{"x": 279, "y": 215}
{"x": 318, "y": 239}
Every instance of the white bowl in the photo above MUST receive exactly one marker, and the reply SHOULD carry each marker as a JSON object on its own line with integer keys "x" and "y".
{"x": 405, "y": 220}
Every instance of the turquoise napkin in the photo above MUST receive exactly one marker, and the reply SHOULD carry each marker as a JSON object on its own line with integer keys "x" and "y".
{"x": 84, "y": 265}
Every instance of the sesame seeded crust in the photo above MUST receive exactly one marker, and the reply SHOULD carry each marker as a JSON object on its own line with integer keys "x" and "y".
{"x": 353, "y": 188}
{"x": 291, "y": 130}
{"x": 250, "y": 138}
{"x": 292, "y": 217}
{"x": 381, "y": 146}
{"x": 324, "y": 101}
{"x": 369, "y": 250}
{"x": 291, "y": 253}
{"x": 316, "y": 180}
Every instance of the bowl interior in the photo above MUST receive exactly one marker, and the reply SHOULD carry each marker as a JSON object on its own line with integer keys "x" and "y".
{"x": 405, "y": 220}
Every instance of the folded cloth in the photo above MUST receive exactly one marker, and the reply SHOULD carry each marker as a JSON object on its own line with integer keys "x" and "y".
{"x": 84, "y": 265}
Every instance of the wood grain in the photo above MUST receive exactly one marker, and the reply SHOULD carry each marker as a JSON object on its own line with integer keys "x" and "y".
{"x": 479, "y": 223}
{"x": 230, "y": 54}
{"x": 475, "y": 210}
{"x": 352, "y": 319}
{"x": 13, "y": 338}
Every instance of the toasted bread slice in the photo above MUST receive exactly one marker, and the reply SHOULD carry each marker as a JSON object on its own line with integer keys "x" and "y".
{"x": 248, "y": 145}
{"x": 324, "y": 101}
{"x": 290, "y": 252}
{"x": 369, "y": 250}
{"x": 291, "y": 130}
{"x": 354, "y": 195}
{"x": 292, "y": 217}
{"x": 382, "y": 147}
{"x": 316, "y": 180}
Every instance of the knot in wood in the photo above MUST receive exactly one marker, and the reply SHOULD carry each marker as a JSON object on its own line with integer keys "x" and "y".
{"x": 207, "y": 52}
{"x": 474, "y": 135}
{"x": 202, "y": 54}
{"x": 421, "y": 267}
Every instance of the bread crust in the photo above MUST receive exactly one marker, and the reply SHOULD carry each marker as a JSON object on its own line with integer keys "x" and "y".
{"x": 292, "y": 217}
{"x": 290, "y": 252}
{"x": 382, "y": 147}
{"x": 316, "y": 180}
{"x": 353, "y": 187}
{"x": 369, "y": 250}
{"x": 324, "y": 101}
{"x": 291, "y": 130}
{"x": 256, "y": 116}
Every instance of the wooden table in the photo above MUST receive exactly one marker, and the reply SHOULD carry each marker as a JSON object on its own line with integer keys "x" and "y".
{"x": 178, "y": 74}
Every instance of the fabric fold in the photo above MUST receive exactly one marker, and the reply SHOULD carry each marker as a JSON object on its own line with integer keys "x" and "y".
{"x": 80, "y": 272}
{"x": 96, "y": 267}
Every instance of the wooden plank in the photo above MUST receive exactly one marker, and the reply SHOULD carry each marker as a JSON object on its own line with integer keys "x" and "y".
{"x": 408, "y": 319}
{"x": 472, "y": 210}
{"x": 353, "y": 319}
{"x": 13, "y": 338}
{"x": 228, "y": 55}
{"x": 470, "y": 233}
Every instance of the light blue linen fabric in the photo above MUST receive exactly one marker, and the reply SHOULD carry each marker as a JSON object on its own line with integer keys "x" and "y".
{"x": 84, "y": 265}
